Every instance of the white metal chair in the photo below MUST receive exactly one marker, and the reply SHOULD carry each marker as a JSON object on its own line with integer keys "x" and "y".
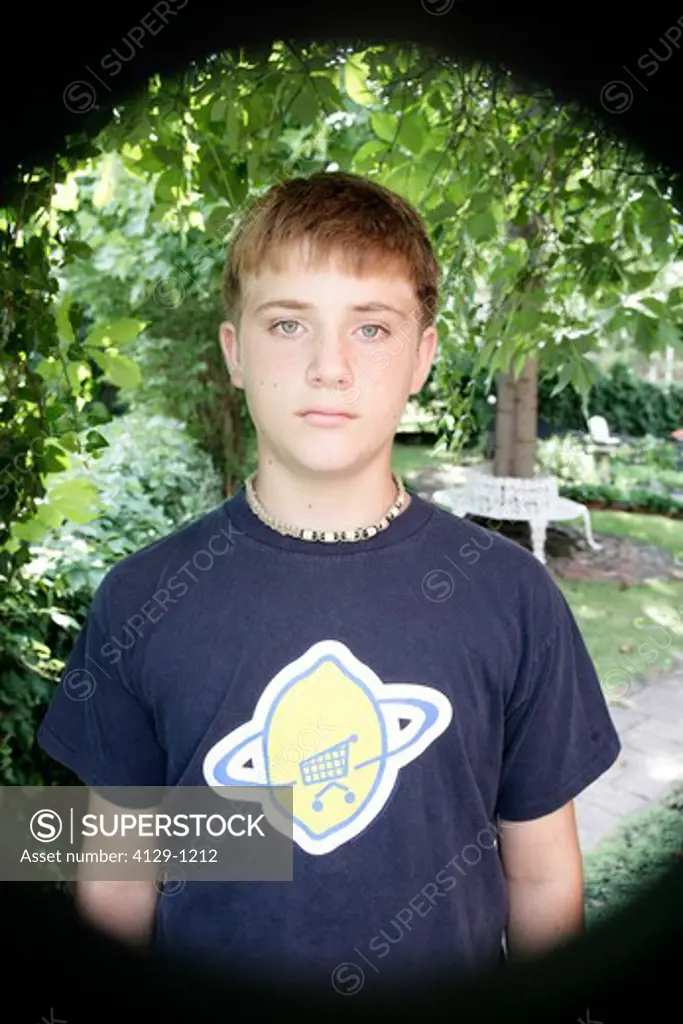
{"x": 599, "y": 432}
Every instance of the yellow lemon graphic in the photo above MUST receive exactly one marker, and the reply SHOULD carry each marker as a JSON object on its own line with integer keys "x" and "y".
{"x": 325, "y": 744}
{"x": 332, "y": 768}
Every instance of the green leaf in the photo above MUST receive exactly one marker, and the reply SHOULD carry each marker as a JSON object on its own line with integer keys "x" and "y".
{"x": 482, "y": 226}
{"x": 366, "y": 156}
{"x": 121, "y": 371}
{"x": 646, "y": 336}
{"x": 444, "y": 211}
{"x": 168, "y": 185}
{"x": 238, "y": 182}
{"x": 49, "y": 515}
{"x": 411, "y": 135}
{"x": 258, "y": 109}
{"x": 76, "y": 372}
{"x": 75, "y": 249}
{"x": 458, "y": 191}
{"x": 32, "y": 530}
{"x": 408, "y": 180}
{"x": 94, "y": 441}
{"x": 150, "y": 163}
{"x": 657, "y": 307}
{"x": 641, "y": 279}
{"x": 669, "y": 335}
{"x": 327, "y": 91}
{"x": 604, "y": 228}
{"x": 76, "y": 499}
{"x": 168, "y": 157}
{"x": 64, "y": 328}
{"x": 64, "y": 620}
{"x": 49, "y": 369}
{"x": 305, "y": 106}
{"x": 234, "y": 124}
{"x": 158, "y": 212}
{"x": 384, "y": 126}
{"x": 218, "y": 109}
{"x": 218, "y": 222}
{"x": 69, "y": 441}
{"x": 120, "y": 332}
{"x": 356, "y": 73}
{"x": 563, "y": 379}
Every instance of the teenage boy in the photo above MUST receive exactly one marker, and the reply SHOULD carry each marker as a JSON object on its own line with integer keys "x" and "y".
{"x": 418, "y": 681}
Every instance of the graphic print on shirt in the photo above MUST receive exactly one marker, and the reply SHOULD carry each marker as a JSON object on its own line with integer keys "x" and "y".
{"x": 330, "y": 728}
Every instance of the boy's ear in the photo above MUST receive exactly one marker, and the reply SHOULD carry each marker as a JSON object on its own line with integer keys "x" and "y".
{"x": 425, "y": 353}
{"x": 231, "y": 352}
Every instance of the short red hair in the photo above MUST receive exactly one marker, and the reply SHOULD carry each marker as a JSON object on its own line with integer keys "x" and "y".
{"x": 336, "y": 214}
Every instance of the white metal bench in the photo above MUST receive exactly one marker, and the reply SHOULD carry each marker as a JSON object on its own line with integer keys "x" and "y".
{"x": 536, "y": 501}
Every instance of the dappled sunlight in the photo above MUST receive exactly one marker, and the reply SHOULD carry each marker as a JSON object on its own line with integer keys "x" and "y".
{"x": 586, "y": 611}
{"x": 663, "y": 615}
{"x": 665, "y": 768}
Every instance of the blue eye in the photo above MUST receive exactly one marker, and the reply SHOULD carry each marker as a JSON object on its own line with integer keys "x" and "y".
{"x": 377, "y": 327}
{"x": 278, "y": 323}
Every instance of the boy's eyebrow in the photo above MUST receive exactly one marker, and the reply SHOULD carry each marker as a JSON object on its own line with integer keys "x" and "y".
{"x": 366, "y": 307}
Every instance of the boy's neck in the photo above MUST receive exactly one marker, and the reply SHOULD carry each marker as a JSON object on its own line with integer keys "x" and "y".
{"x": 325, "y": 501}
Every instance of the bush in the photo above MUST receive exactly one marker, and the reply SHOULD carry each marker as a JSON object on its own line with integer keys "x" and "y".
{"x": 607, "y": 495}
{"x": 637, "y": 855}
{"x": 153, "y": 479}
{"x": 567, "y": 458}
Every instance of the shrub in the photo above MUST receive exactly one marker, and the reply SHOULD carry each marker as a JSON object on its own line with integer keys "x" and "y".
{"x": 153, "y": 479}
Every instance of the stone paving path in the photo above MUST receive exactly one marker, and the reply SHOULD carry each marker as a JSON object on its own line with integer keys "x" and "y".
{"x": 650, "y": 725}
{"x": 649, "y": 720}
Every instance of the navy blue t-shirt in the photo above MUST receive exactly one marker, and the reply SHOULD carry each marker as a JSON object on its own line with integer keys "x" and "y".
{"x": 437, "y": 660}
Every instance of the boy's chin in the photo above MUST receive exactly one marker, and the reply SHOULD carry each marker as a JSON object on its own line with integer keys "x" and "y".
{"x": 330, "y": 461}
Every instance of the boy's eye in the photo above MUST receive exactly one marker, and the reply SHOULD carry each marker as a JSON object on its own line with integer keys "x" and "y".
{"x": 281, "y": 323}
{"x": 373, "y": 327}
{"x": 289, "y": 327}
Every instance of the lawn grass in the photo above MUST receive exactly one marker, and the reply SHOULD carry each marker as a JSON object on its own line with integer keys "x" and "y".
{"x": 637, "y": 632}
{"x": 665, "y": 533}
{"x": 412, "y": 458}
{"x": 630, "y": 634}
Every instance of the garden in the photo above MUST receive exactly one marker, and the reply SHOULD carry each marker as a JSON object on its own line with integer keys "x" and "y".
{"x": 562, "y": 253}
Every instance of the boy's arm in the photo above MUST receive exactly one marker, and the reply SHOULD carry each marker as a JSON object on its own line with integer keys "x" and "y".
{"x": 543, "y": 866}
{"x": 124, "y": 909}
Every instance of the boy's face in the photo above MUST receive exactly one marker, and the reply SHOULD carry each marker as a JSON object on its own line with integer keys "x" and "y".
{"x": 310, "y": 349}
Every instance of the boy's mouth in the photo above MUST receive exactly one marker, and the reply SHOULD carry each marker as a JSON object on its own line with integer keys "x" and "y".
{"x": 327, "y": 417}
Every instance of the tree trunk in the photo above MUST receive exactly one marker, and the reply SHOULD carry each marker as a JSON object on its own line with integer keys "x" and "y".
{"x": 516, "y": 423}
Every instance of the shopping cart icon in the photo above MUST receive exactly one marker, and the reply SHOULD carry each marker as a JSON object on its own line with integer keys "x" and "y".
{"x": 332, "y": 763}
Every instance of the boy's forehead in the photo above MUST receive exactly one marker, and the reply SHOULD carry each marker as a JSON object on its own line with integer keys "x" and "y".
{"x": 296, "y": 281}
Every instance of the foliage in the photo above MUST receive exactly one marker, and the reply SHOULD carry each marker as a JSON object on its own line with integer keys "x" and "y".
{"x": 553, "y": 238}
{"x": 635, "y": 409}
{"x": 636, "y": 500}
{"x": 652, "y": 453}
{"x": 567, "y": 458}
{"x": 150, "y": 480}
{"x": 642, "y": 849}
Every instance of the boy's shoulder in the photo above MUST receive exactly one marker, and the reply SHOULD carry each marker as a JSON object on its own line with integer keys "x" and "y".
{"x": 496, "y": 577}
{"x": 197, "y": 543}
{"x": 475, "y": 544}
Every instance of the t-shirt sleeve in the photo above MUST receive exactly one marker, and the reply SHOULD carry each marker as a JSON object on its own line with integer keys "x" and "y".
{"x": 98, "y": 723}
{"x": 559, "y": 734}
